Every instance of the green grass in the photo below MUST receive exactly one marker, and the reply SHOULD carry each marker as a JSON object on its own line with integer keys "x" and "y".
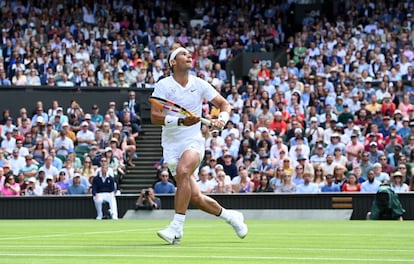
{"x": 210, "y": 241}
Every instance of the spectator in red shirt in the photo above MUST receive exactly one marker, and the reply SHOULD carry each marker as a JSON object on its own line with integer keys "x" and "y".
{"x": 388, "y": 107}
{"x": 278, "y": 125}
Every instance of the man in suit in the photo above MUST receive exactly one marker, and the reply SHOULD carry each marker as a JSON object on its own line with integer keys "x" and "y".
{"x": 134, "y": 108}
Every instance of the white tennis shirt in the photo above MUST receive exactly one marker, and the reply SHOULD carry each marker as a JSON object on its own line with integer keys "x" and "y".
{"x": 190, "y": 97}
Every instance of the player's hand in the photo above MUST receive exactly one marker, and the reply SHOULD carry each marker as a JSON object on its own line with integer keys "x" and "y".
{"x": 217, "y": 124}
{"x": 191, "y": 120}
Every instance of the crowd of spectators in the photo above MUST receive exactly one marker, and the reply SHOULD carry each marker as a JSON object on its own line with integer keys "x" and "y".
{"x": 339, "y": 117}
{"x": 343, "y": 102}
{"x": 56, "y": 151}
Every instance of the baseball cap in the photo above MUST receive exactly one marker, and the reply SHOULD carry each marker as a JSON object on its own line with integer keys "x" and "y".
{"x": 226, "y": 154}
{"x": 219, "y": 167}
{"x": 39, "y": 119}
{"x": 314, "y": 119}
{"x": 87, "y": 116}
{"x": 32, "y": 179}
{"x": 84, "y": 123}
{"x": 373, "y": 144}
{"x": 397, "y": 174}
{"x": 264, "y": 155}
{"x": 301, "y": 157}
{"x": 108, "y": 149}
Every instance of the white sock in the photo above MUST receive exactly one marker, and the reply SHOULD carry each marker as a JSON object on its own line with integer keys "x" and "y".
{"x": 179, "y": 220}
{"x": 225, "y": 214}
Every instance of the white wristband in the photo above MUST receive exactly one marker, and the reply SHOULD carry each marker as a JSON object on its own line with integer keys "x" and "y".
{"x": 224, "y": 116}
{"x": 170, "y": 121}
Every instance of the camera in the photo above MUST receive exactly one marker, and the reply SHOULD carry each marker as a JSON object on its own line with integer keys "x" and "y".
{"x": 146, "y": 193}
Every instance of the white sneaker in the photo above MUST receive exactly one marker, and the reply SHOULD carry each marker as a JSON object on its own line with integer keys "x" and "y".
{"x": 237, "y": 222}
{"x": 171, "y": 235}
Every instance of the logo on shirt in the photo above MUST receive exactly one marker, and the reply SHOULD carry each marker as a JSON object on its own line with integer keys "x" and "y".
{"x": 192, "y": 91}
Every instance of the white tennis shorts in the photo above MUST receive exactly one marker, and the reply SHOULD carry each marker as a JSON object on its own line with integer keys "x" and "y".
{"x": 173, "y": 152}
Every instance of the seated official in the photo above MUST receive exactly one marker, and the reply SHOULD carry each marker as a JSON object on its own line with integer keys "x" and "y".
{"x": 103, "y": 190}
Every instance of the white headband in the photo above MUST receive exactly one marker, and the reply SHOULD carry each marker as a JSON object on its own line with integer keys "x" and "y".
{"x": 175, "y": 52}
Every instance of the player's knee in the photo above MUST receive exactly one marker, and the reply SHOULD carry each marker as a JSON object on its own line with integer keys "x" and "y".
{"x": 183, "y": 173}
{"x": 196, "y": 199}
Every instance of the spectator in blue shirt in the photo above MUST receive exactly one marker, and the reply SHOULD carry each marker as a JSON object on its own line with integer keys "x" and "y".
{"x": 76, "y": 187}
{"x": 330, "y": 186}
{"x": 164, "y": 186}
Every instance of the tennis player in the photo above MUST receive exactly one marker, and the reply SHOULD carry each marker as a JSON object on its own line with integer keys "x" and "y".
{"x": 183, "y": 144}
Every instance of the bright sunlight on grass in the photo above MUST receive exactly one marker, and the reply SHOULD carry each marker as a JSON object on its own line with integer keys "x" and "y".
{"x": 209, "y": 241}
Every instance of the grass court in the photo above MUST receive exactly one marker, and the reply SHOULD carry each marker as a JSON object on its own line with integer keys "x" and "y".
{"x": 209, "y": 241}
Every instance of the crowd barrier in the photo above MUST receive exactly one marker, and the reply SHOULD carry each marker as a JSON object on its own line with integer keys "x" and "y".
{"x": 82, "y": 207}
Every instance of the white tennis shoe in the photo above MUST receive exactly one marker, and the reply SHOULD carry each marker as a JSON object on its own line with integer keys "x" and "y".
{"x": 237, "y": 222}
{"x": 171, "y": 234}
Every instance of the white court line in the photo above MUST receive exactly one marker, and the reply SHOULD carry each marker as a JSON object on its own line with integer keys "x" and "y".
{"x": 154, "y": 256}
{"x": 74, "y": 234}
{"x": 209, "y": 247}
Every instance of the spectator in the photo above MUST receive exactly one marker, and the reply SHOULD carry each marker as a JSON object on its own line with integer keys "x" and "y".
{"x": 287, "y": 186}
{"x": 204, "y": 182}
{"x": 223, "y": 183}
{"x": 96, "y": 117}
{"x": 62, "y": 182}
{"x": 147, "y": 200}
{"x": 16, "y": 162}
{"x": 307, "y": 186}
{"x": 242, "y": 183}
{"x": 371, "y": 184}
{"x": 10, "y": 187}
{"x": 33, "y": 189}
{"x": 87, "y": 170}
{"x": 51, "y": 188}
{"x": 63, "y": 144}
{"x": 164, "y": 186}
{"x": 77, "y": 188}
{"x": 330, "y": 185}
{"x": 50, "y": 170}
{"x": 352, "y": 185}
{"x": 397, "y": 184}
{"x": 29, "y": 169}
{"x": 229, "y": 166}
{"x": 264, "y": 185}
{"x": 85, "y": 137}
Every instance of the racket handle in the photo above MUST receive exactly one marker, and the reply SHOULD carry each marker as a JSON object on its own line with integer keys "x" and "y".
{"x": 206, "y": 121}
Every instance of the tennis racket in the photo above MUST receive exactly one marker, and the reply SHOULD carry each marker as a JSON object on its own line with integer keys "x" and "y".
{"x": 171, "y": 106}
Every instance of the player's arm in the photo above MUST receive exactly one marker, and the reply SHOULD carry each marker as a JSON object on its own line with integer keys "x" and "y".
{"x": 158, "y": 117}
{"x": 225, "y": 109}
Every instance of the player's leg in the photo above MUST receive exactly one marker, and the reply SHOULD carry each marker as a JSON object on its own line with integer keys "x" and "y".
{"x": 203, "y": 202}
{"x": 211, "y": 206}
{"x": 186, "y": 166}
